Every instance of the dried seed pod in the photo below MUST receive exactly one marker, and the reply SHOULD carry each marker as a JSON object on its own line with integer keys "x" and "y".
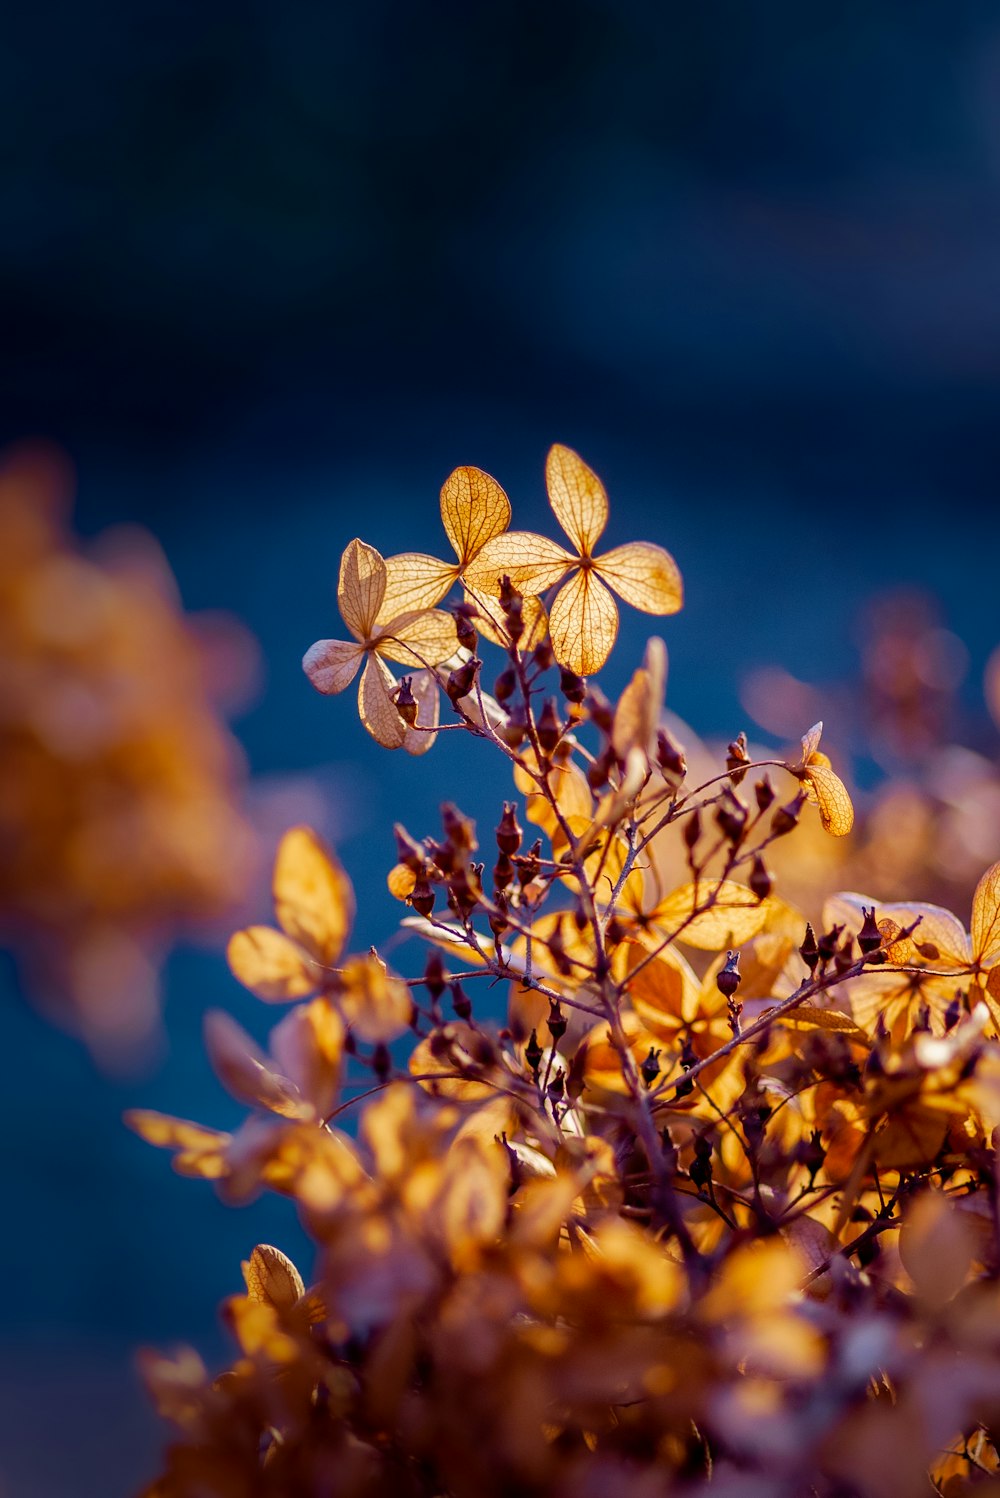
{"x": 406, "y": 703}
{"x": 509, "y": 831}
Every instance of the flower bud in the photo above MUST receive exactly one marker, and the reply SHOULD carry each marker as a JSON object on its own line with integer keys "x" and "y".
{"x": 422, "y": 896}
{"x": 668, "y": 756}
{"x": 533, "y": 1053}
{"x": 602, "y": 713}
{"x": 760, "y": 880}
{"x": 509, "y": 832}
{"x": 869, "y": 937}
{"x": 549, "y": 727}
{"x": 728, "y": 979}
{"x": 573, "y": 687}
{"x": 434, "y": 980}
{"x": 406, "y": 703}
{"x": 463, "y": 614}
{"x": 505, "y": 685}
{"x": 461, "y": 681}
{"x": 764, "y": 792}
{"x": 650, "y": 1068}
{"x": 556, "y": 1022}
{"x": 737, "y": 758}
{"x": 692, "y": 829}
{"x": 542, "y": 655}
{"x": 460, "y": 1001}
{"x": 503, "y": 873}
{"x": 809, "y": 951}
{"x": 786, "y": 817}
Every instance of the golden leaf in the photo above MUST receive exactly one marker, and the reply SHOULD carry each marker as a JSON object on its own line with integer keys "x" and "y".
{"x": 583, "y": 623}
{"x": 985, "y": 927}
{"x": 637, "y": 716}
{"x": 201, "y": 1151}
{"x": 272, "y": 1278}
{"x": 313, "y": 898}
{"x": 422, "y": 637}
{"x": 644, "y": 575}
{"x": 331, "y": 665}
{"x": 577, "y": 497}
{"x": 732, "y": 914}
{"x": 474, "y": 510}
{"x": 664, "y": 993}
{"x": 270, "y": 965}
{"x": 361, "y": 588}
{"x": 308, "y": 1045}
{"x": 375, "y": 1004}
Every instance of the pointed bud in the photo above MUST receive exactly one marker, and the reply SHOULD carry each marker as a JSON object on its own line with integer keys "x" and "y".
{"x": 533, "y": 1053}
{"x": 422, "y": 896}
{"x": 650, "y": 1068}
{"x": 786, "y": 817}
{"x": 602, "y": 713}
{"x": 556, "y": 1021}
{"x": 737, "y": 758}
{"x": 869, "y": 937}
{"x": 731, "y": 817}
{"x": 668, "y": 756}
{"x": 760, "y": 880}
{"x": 557, "y": 1086}
{"x": 728, "y": 979}
{"x": 408, "y": 851}
{"x": 505, "y": 685}
{"x": 514, "y": 728}
{"x": 542, "y": 655}
{"x": 406, "y": 703}
{"x": 549, "y": 727}
{"x": 573, "y": 687}
{"x": 809, "y": 951}
{"x": 692, "y": 829}
{"x": 503, "y": 873}
{"x": 459, "y": 829}
{"x": 463, "y": 614}
{"x": 764, "y": 792}
{"x": 461, "y": 681}
{"x": 434, "y": 980}
{"x": 688, "y": 1059}
{"x": 460, "y": 1001}
{"x": 529, "y": 863}
{"x": 509, "y": 831}
{"x": 827, "y": 943}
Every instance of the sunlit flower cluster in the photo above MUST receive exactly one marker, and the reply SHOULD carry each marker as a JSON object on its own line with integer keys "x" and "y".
{"x": 716, "y": 1207}
{"x": 118, "y": 781}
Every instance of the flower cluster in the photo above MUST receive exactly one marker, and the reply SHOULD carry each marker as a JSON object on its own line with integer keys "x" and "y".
{"x": 119, "y": 784}
{"x": 715, "y": 1208}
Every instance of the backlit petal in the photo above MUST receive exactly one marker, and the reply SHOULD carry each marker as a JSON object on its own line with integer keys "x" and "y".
{"x": 376, "y": 707}
{"x": 643, "y": 575}
{"x": 491, "y": 622}
{"x": 331, "y": 665}
{"x": 425, "y": 689}
{"x": 271, "y": 965}
{"x": 577, "y": 497}
{"x": 429, "y": 634}
{"x": 474, "y": 509}
{"x": 414, "y": 581}
{"x": 986, "y": 916}
{"x": 361, "y": 588}
{"x": 583, "y": 623}
{"x": 313, "y": 898}
{"x": 835, "y": 809}
{"x": 533, "y": 563}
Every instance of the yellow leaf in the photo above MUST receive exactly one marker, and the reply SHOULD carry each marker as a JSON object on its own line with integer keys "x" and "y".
{"x": 637, "y": 716}
{"x": 533, "y": 563}
{"x": 664, "y": 993}
{"x": 986, "y": 916}
{"x": 270, "y": 965}
{"x": 583, "y": 623}
{"x": 474, "y": 510}
{"x": 313, "y": 898}
{"x": 308, "y": 1046}
{"x": 577, "y": 497}
{"x": 643, "y": 575}
{"x": 331, "y": 665}
{"x": 201, "y": 1151}
{"x": 375, "y": 706}
{"x": 835, "y": 809}
{"x": 272, "y": 1278}
{"x": 414, "y": 581}
{"x": 727, "y": 914}
{"x": 376, "y": 1005}
{"x": 361, "y": 588}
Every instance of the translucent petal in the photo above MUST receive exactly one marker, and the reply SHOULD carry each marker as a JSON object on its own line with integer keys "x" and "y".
{"x": 986, "y": 916}
{"x": 313, "y": 898}
{"x": 664, "y": 993}
{"x": 361, "y": 588}
{"x": 414, "y": 581}
{"x": 244, "y": 1071}
{"x": 810, "y": 740}
{"x": 272, "y": 1278}
{"x": 835, "y": 809}
{"x": 583, "y": 623}
{"x": 308, "y": 1046}
{"x": 422, "y": 638}
{"x": 270, "y": 965}
{"x": 940, "y": 938}
{"x": 425, "y": 689}
{"x": 577, "y": 497}
{"x": 533, "y": 563}
{"x": 376, "y": 707}
{"x": 727, "y": 914}
{"x": 643, "y": 575}
{"x": 331, "y": 665}
{"x": 474, "y": 509}
{"x": 376, "y": 1005}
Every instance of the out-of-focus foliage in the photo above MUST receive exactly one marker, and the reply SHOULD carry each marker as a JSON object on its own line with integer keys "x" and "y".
{"x": 119, "y": 783}
{"x": 718, "y": 1208}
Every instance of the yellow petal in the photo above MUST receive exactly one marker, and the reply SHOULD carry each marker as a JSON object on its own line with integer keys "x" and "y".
{"x": 664, "y": 993}
{"x": 425, "y": 689}
{"x": 331, "y": 665}
{"x": 424, "y": 637}
{"x": 270, "y": 965}
{"x": 271, "y": 1277}
{"x": 491, "y": 622}
{"x": 731, "y": 915}
{"x": 643, "y": 575}
{"x": 533, "y": 563}
{"x": 361, "y": 588}
{"x": 376, "y": 707}
{"x": 401, "y": 880}
{"x": 939, "y": 937}
{"x": 376, "y": 1005}
{"x": 313, "y": 898}
{"x": 414, "y": 581}
{"x": 474, "y": 509}
{"x": 583, "y": 623}
{"x": 637, "y": 716}
{"x": 835, "y": 809}
{"x": 577, "y": 497}
{"x": 200, "y": 1151}
{"x": 986, "y": 916}
{"x": 243, "y": 1070}
{"x": 308, "y": 1046}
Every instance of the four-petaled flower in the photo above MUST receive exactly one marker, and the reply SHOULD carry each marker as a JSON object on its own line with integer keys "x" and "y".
{"x": 583, "y": 619}
{"x": 414, "y": 637}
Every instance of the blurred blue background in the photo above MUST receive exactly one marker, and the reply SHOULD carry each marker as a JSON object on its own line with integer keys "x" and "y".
{"x": 270, "y": 272}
